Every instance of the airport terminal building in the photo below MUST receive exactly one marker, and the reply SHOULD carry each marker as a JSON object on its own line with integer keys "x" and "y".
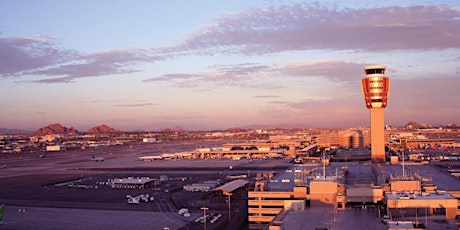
{"x": 351, "y": 185}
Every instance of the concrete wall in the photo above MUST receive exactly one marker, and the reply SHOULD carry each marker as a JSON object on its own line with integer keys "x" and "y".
{"x": 400, "y": 186}
{"x": 300, "y": 192}
{"x": 323, "y": 193}
{"x": 323, "y": 187}
{"x": 449, "y": 204}
{"x": 364, "y": 194}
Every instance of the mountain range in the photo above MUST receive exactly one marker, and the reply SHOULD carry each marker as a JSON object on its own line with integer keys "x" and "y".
{"x": 59, "y": 129}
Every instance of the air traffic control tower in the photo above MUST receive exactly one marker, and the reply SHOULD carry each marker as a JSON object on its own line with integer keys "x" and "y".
{"x": 375, "y": 90}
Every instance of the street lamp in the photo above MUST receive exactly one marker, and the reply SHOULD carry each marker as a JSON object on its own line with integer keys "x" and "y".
{"x": 21, "y": 212}
{"x": 204, "y": 215}
{"x": 229, "y": 210}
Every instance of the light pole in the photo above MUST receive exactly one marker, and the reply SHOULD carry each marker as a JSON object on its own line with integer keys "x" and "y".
{"x": 204, "y": 216}
{"x": 21, "y": 212}
{"x": 229, "y": 210}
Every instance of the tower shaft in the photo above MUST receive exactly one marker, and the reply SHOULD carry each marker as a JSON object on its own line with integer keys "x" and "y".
{"x": 377, "y": 135}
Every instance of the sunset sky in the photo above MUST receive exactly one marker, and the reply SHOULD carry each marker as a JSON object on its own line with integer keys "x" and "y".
{"x": 218, "y": 64}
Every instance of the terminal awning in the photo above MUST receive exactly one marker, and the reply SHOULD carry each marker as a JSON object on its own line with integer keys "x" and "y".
{"x": 231, "y": 186}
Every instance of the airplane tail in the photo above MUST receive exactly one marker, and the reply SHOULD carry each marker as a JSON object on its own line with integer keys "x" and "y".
{"x": 2, "y": 210}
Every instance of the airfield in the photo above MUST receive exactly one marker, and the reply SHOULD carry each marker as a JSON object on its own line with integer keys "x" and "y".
{"x": 64, "y": 190}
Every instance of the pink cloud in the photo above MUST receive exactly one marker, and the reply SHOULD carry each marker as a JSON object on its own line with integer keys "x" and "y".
{"x": 255, "y": 31}
{"x": 298, "y": 27}
{"x": 42, "y": 56}
{"x": 97, "y": 64}
{"x": 229, "y": 75}
{"x": 334, "y": 70}
{"x": 21, "y": 55}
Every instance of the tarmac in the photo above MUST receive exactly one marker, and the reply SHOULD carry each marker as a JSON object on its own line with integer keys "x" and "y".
{"x": 34, "y": 201}
{"x": 43, "y": 218}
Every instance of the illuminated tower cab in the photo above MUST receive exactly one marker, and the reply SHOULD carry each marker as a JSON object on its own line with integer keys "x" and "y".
{"x": 375, "y": 90}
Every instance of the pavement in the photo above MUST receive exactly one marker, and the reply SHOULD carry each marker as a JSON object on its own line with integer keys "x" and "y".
{"x": 33, "y": 202}
{"x": 43, "y": 218}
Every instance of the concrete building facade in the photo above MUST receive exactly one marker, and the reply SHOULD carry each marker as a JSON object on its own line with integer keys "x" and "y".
{"x": 264, "y": 206}
{"x": 421, "y": 203}
{"x": 345, "y": 138}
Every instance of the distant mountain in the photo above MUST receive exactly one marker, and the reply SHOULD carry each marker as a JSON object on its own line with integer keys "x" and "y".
{"x": 235, "y": 130}
{"x": 102, "y": 129}
{"x": 174, "y": 130}
{"x": 54, "y": 129}
{"x": 415, "y": 125}
{"x": 275, "y": 126}
{"x": 12, "y": 131}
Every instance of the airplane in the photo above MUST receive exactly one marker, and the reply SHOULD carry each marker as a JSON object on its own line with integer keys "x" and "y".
{"x": 2, "y": 210}
{"x": 137, "y": 199}
{"x": 150, "y": 158}
{"x": 132, "y": 200}
{"x": 97, "y": 158}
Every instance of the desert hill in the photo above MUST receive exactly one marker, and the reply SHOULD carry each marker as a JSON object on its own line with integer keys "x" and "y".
{"x": 54, "y": 129}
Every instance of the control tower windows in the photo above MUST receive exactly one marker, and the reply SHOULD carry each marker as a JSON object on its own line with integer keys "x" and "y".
{"x": 375, "y": 71}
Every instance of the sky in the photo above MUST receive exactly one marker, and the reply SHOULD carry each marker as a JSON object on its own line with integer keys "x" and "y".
{"x": 205, "y": 65}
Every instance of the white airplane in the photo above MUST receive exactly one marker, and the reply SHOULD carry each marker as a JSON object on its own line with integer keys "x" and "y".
{"x": 97, "y": 158}
{"x": 132, "y": 200}
{"x": 150, "y": 158}
{"x": 146, "y": 198}
{"x": 137, "y": 199}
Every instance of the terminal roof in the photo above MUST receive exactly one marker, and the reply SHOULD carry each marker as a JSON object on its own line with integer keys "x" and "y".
{"x": 131, "y": 180}
{"x": 441, "y": 179}
{"x": 419, "y": 196}
{"x": 231, "y": 186}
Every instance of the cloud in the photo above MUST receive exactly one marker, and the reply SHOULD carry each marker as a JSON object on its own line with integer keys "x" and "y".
{"x": 266, "y": 96}
{"x": 238, "y": 75}
{"x": 418, "y": 93}
{"x": 136, "y": 105}
{"x": 240, "y": 69}
{"x": 432, "y": 100}
{"x": 42, "y": 56}
{"x": 304, "y": 27}
{"x": 334, "y": 70}
{"x": 228, "y": 75}
{"x": 20, "y": 55}
{"x": 175, "y": 76}
{"x": 349, "y": 112}
{"x": 98, "y": 64}
{"x": 252, "y": 32}
{"x": 280, "y": 102}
